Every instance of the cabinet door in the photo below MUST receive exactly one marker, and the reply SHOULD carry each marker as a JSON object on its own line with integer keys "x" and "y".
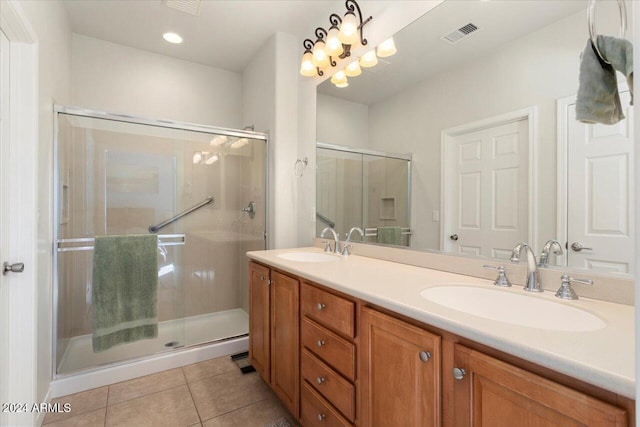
{"x": 285, "y": 342}
{"x": 259, "y": 320}
{"x": 494, "y": 393}
{"x": 400, "y": 385}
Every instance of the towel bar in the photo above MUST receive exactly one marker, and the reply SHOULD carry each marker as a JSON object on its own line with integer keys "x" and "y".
{"x": 163, "y": 240}
{"x": 591, "y": 19}
{"x": 373, "y": 231}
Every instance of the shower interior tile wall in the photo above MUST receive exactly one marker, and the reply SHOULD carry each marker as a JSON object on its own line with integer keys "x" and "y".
{"x": 214, "y": 268}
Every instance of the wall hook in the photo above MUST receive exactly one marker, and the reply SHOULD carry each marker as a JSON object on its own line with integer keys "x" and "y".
{"x": 300, "y": 166}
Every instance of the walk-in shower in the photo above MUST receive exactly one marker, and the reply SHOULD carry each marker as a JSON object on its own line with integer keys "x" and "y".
{"x": 201, "y": 189}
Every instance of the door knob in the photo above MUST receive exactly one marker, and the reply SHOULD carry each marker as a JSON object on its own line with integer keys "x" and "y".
{"x": 17, "y": 267}
{"x": 576, "y": 246}
{"x": 454, "y": 237}
{"x": 424, "y": 355}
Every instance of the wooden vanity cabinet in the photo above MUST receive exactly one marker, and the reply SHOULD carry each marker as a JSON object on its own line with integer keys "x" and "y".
{"x": 400, "y": 380}
{"x": 490, "y": 392}
{"x": 328, "y": 364}
{"x": 274, "y": 347}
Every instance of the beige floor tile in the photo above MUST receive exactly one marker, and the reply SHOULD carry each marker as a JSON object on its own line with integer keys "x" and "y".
{"x": 173, "y": 407}
{"x": 255, "y": 415}
{"x": 90, "y": 419}
{"x": 208, "y": 368}
{"x": 223, "y": 393}
{"x": 143, "y": 386}
{"x": 81, "y": 403}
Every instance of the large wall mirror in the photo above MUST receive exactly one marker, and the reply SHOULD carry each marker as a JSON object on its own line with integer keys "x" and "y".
{"x": 489, "y": 120}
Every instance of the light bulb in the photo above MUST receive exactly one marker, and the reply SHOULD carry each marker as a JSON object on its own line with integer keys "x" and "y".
{"x": 387, "y": 48}
{"x": 212, "y": 159}
{"x": 349, "y": 29}
{"x": 172, "y": 38}
{"x": 219, "y": 140}
{"x": 307, "y": 68}
{"x": 240, "y": 143}
{"x": 339, "y": 78}
{"x": 369, "y": 59}
{"x": 319, "y": 56}
{"x": 334, "y": 45}
{"x": 197, "y": 157}
{"x": 353, "y": 69}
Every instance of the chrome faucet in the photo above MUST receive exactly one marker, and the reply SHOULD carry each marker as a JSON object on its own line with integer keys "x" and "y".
{"x": 336, "y": 240}
{"x": 532, "y": 283}
{"x": 345, "y": 249}
{"x": 546, "y": 249}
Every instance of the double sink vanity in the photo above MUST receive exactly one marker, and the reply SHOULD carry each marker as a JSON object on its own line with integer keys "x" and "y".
{"x": 355, "y": 340}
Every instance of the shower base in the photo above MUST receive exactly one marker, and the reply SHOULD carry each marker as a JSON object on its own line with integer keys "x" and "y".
{"x": 172, "y": 334}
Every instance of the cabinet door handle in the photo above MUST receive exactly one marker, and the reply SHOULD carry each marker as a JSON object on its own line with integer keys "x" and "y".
{"x": 459, "y": 373}
{"x": 320, "y": 306}
{"x": 424, "y": 356}
{"x": 321, "y": 417}
{"x": 320, "y": 343}
{"x": 320, "y": 380}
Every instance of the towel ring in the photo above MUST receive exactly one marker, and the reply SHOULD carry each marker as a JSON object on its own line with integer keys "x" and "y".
{"x": 591, "y": 16}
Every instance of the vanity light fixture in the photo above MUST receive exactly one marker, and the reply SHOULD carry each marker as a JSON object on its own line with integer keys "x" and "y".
{"x": 386, "y": 48}
{"x": 335, "y": 43}
{"x": 339, "y": 78}
{"x": 353, "y": 69}
{"x": 211, "y": 159}
{"x": 172, "y": 38}
{"x": 369, "y": 59}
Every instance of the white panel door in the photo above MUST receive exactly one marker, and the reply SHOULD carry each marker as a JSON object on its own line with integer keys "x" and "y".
{"x": 4, "y": 222}
{"x": 600, "y": 188}
{"x": 487, "y": 174}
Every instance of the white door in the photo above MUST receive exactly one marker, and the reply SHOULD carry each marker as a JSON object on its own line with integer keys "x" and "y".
{"x": 600, "y": 193}
{"x": 4, "y": 222}
{"x": 486, "y": 194}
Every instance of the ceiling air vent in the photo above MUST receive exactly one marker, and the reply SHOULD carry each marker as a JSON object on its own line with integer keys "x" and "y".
{"x": 460, "y": 33}
{"x": 192, "y": 7}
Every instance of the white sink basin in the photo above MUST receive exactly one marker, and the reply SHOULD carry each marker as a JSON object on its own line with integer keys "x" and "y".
{"x": 515, "y": 309}
{"x": 309, "y": 257}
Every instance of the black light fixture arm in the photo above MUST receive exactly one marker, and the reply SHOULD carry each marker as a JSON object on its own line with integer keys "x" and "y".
{"x": 335, "y": 20}
{"x": 352, "y": 6}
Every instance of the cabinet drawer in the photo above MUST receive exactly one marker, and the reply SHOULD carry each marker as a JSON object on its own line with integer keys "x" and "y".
{"x": 318, "y": 412}
{"x": 337, "y": 352}
{"x": 329, "y": 310}
{"x": 338, "y": 391}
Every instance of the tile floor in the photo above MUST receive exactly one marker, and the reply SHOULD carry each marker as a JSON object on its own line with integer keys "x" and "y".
{"x": 213, "y": 393}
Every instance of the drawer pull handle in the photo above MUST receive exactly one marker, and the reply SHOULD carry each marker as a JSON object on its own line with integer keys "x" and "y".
{"x": 320, "y": 343}
{"x": 459, "y": 373}
{"x": 320, "y": 380}
{"x": 321, "y": 417}
{"x": 320, "y": 306}
{"x": 424, "y": 356}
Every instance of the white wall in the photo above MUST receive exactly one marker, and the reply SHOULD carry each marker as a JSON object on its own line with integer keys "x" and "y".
{"x": 534, "y": 70}
{"x": 116, "y": 78}
{"x": 270, "y": 98}
{"x": 49, "y": 22}
{"x": 342, "y": 122}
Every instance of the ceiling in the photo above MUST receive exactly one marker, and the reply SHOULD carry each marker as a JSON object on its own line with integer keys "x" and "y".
{"x": 226, "y": 34}
{"x": 422, "y": 52}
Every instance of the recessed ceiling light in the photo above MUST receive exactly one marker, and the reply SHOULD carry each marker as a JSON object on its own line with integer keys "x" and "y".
{"x": 172, "y": 38}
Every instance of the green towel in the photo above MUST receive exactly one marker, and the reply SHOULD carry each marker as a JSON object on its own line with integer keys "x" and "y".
{"x": 125, "y": 289}
{"x": 390, "y": 235}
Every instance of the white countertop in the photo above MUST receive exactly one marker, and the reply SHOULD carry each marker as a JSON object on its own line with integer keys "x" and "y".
{"x": 604, "y": 358}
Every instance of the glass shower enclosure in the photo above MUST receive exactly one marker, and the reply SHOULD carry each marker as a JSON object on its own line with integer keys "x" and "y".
{"x": 201, "y": 189}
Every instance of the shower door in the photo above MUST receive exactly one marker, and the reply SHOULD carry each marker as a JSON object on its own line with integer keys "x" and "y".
{"x": 201, "y": 190}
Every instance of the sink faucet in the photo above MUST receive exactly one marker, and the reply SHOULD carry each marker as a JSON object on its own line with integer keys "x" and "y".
{"x": 345, "y": 249}
{"x": 546, "y": 249}
{"x": 336, "y": 245}
{"x": 532, "y": 283}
